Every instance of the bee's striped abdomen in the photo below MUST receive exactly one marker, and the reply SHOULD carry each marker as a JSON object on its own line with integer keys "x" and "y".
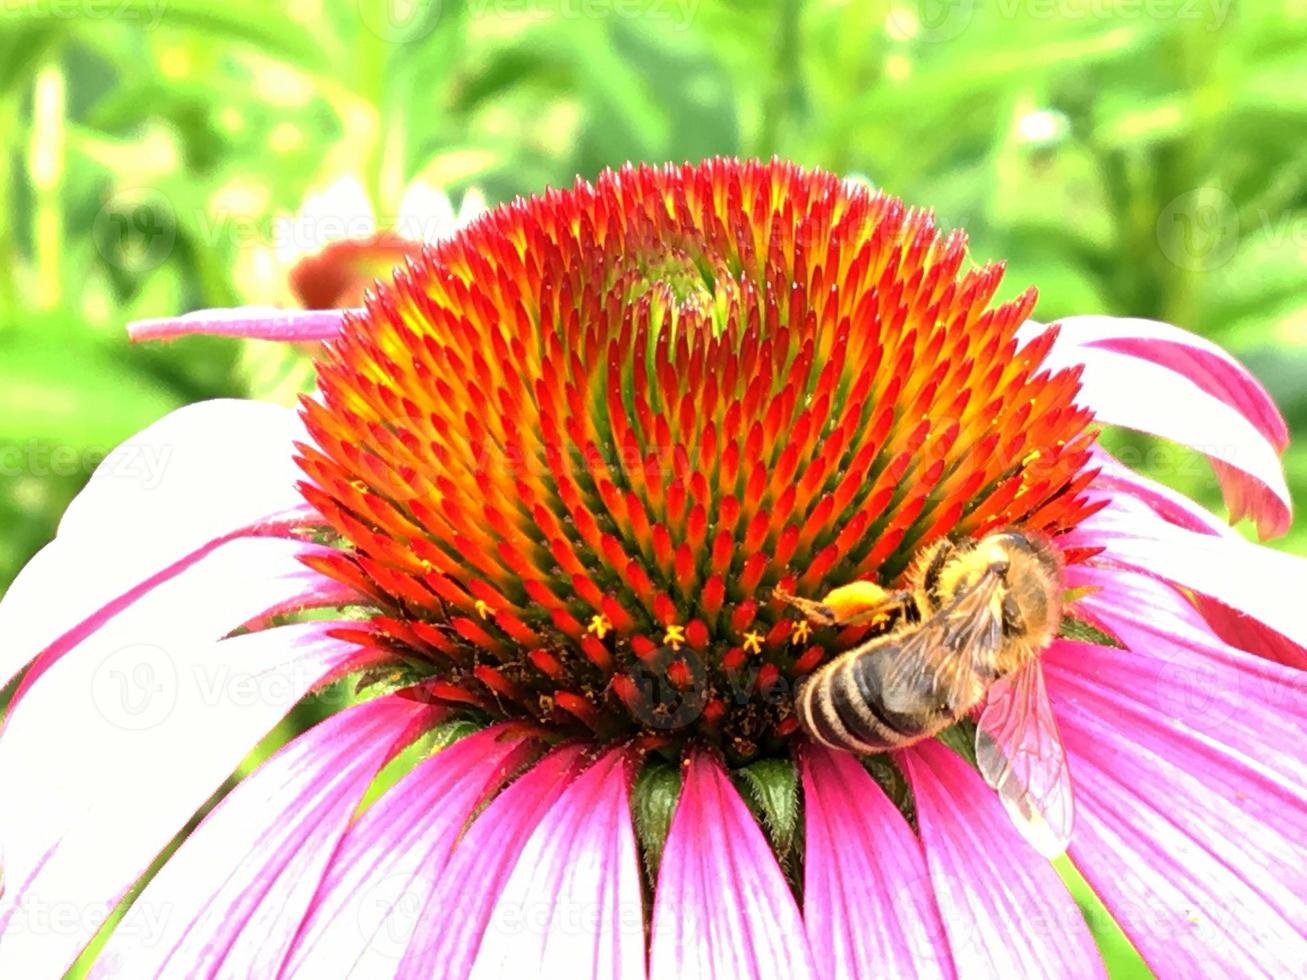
{"x": 841, "y": 706}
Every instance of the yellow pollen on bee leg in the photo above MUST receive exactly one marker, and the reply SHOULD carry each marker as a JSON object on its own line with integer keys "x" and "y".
{"x": 599, "y": 625}
{"x": 800, "y": 631}
{"x": 753, "y": 642}
{"x": 674, "y": 636}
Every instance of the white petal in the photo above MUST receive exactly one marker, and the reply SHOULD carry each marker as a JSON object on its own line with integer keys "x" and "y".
{"x": 198, "y": 474}
{"x": 119, "y": 742}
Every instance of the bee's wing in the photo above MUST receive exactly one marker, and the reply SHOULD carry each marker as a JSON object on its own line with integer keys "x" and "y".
{"x": 1020, "y": 754}
{"x": 934, "y": 667}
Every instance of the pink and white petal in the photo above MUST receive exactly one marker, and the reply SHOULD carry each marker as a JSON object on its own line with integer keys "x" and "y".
{"x": 722, "y": 907}
{"x": 1193, "y": 814}
{"x": 1115, "y": 478}
{"x": 1122, "y": 389}
{"x": 155, "y": 505}
{"x": 453, "y": 919}
{"x": 572, "y": 906}
{"x": 233, "y": 896}
{"x": 1246, "y": 633}
{"x": 257, "y": 322}
{"x": 1256, "y": 581}
{"x": 1206, "y": 364}
{"x": 118, "y": 743}
{"x": 868, "y": 905}
{"x": 360, "y": 921}
{"x": 1005, "y": 910}
{"x": 1152, "y": 617}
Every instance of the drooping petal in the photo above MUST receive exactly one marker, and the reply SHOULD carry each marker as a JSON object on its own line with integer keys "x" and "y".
{"x": 1186, "y": 394}
{"x": 1259, "y": 582}
{"x": 1247, "y": 633}
{"x": 1193, "y": 812}
{"x": 722, "y": 907}
{"x": 572, "y": 905}
{"x": 453, "y": 919}
{"x": 1148, "y": 614}
{"x": 1005, "y": 910}
{"x": 364, "y": 912}
{"x": 121, "y": 741}
{"x": 258, "y": 322}
{"x": 157, "y": 503}
{"x": 1206, "y": 364}
{"x": 868, "y": 904}
{"x": 1115, "y": 478}
{"x": 235, "y": 892}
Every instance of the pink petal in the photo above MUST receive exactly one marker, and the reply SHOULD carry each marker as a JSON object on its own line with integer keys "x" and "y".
{"x": 1006, "y": 912}
{"x": 258, "y": 322}
{"x": 241, "y": 883}
{"x": 118, "y": 743}
{"x": 1114, "y": 479}
{"x": 572, "y": 906}
{"x": 158, "y": 502}
{"x": 1166, "y": 396}
{"x": 1247, "y": 633}
{"x": 1259, "y": 582}
{"x": 1193, "y": 813}
{"x": 867, "y": 898}
{"x": 454, "y": 917}
{"x": 722, "y": 907}
{"x": 387, "y": 865}
{"x": 1141, "y": 610}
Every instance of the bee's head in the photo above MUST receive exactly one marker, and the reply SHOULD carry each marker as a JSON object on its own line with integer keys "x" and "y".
{"x": 1030, "y": 569}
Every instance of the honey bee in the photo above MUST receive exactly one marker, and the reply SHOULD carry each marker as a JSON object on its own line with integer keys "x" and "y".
{"x": 965, "y": 633}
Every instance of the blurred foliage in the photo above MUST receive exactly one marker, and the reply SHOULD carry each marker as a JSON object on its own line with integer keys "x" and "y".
{"x": 1127, "y": 156}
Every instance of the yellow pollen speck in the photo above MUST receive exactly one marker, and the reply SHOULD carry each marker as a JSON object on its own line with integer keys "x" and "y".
{"x": 800, "y": 631}
{"x": 483, "y": 609}
{"x": 753, "y": 642}
{"x": 599, "y": 626}
{"x": 674, "y": 636}
{"x": 1031, "y": 458}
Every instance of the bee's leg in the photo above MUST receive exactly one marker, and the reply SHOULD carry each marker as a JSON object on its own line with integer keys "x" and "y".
{"x": 855, "y": 604}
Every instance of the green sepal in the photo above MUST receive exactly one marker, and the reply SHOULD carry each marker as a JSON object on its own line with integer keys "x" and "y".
{"x": 771, "y": 787}
{"x": 653, "y": 801}
{"x": 890, "y": 778}
{"x": 1077, "y": 629}
{"x": 961, "y": 738}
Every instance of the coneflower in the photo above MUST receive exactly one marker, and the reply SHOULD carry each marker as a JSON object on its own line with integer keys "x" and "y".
{"x": 553, "y": 478}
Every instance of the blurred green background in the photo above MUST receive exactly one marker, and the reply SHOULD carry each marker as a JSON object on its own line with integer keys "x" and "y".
{"x": 1126, "y": 156}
